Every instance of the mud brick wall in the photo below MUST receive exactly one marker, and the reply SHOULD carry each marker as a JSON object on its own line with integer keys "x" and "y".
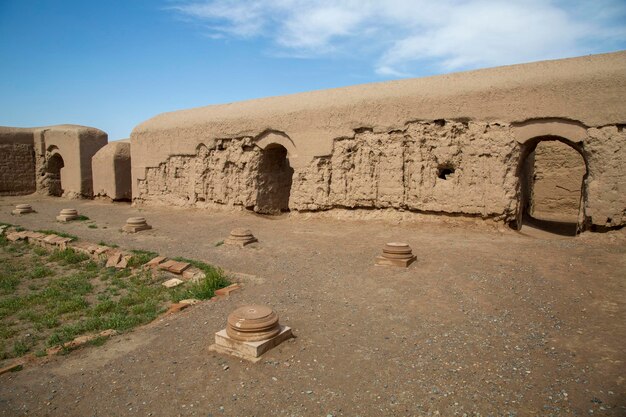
{"x": 447, "y": 166}
{"x": 558, "y": 176}
{"x": 17, "y": 169}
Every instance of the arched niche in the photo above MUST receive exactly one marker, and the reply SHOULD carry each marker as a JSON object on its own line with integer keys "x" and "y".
{"x": 274, "y": 180}
{"x": 53, "y": 176}
{"x": 568, "y": 162}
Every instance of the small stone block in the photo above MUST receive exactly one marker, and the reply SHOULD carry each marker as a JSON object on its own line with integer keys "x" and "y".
{"x": 92, "y": 248}
{"x": 101, "y": 249}
{"x": 167, "y": 265}
{"x": 171, "y": 283}
{"x": 250, "y": 351}
{"x": 240, "y": 243}
{"x": 113, "y": 260}
{"x": 193, "y": 274}
{"x": 14, "y": 237}
{"x": 382, "y": 261}
{"x": 123, "y": 263}
{"x": 134, "y": 229}
{"x": 50, "y": 239}
{"x": 80, "y": 247}
{"x": 190, "y": 301}
{"x": 22, "y": 211}
{"x": 65, "y": 218}
{"x": 16, "y": 366}
{"x": 58, "y": 240}
{"x": 155, "y": 261}
{"x": 228, "y": 290}
{"x": 178, "y": 267}
{"x": 176, "y": 307}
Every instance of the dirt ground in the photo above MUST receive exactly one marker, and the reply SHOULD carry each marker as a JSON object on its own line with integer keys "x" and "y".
{"x": 487, "y": 322}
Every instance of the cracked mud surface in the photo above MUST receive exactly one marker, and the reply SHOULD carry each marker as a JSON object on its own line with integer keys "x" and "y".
{"x": 485, "y": 321}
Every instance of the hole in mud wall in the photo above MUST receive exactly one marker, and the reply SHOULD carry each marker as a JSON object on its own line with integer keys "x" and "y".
{"x": 444, "y": 171}
{"x": 273, "y": 181}
{"x": 53, "y": 175}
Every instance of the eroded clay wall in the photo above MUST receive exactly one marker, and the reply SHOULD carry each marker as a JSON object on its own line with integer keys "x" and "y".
{"x": 557, "y": 181}
{"x": 605, "y": 151}
{"x": 406, "y": 169}
{"x": 17, "y": 169}
{"x": 225, "y": 174}
{"x": 110, "y": 168}
{"x": 400, "y": 169}
{"x": 446, "y": 144}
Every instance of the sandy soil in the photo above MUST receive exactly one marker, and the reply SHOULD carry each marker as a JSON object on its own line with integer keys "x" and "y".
{"x": 486, "y": 321}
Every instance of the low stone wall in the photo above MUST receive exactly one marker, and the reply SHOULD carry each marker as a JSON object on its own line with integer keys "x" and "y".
{"x": 17, "y": 169}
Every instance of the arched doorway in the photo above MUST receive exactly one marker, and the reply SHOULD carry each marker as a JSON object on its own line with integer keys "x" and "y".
{"x": 53, "y": 175}
{"x": 273, "y": 180}
{"x": 552, "y": 176}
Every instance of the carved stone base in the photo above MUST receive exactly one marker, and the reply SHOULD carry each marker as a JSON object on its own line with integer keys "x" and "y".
{"x": 382, "y": 261}
{"x": 23, "y": 209}
{"x": 136, "y": 224}
{"x": 250, "y": 351}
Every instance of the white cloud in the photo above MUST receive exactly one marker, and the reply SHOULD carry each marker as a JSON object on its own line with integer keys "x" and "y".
{"x": 402, "y": 36}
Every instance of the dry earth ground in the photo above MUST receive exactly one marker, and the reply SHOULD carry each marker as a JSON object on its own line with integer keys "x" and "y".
{"x": 486, "y": 321}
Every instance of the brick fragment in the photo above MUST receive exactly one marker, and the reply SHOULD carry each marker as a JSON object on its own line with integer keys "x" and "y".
{"x": 178, "y": 267}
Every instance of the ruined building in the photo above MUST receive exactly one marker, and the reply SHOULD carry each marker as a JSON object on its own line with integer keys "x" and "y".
{"x": 544, "y": 139}
{"x": 53, "y": 160}
{"x": 489, "y": 143}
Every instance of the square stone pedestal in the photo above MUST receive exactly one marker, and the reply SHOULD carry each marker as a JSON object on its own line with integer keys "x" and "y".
{"x": 382, "y": 261}
{"x": 250, "y": 351}
{"x": 239, "y": 242}
{"x": 134, "y": 229}
{"x": 66, "y": 218}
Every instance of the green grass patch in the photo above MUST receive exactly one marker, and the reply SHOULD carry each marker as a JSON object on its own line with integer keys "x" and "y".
{"x": 110, "y": 245}
{"x": 141, "y": 257}
{"x": 68, "y": 256}
{"x": 92, "y": 226}
{"x": 39, "y": 251}
{"x": 205, "y": 288}
{"x": 40, "y": 271}
{"x": 48, "y": 298}
{"x": 54, "y": 232}
{"x": 81, "y": 218}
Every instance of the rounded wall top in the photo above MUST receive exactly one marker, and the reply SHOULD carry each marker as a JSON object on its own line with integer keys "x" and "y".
{"x": 567, "y": 88}
{"x": 116, "y": 149}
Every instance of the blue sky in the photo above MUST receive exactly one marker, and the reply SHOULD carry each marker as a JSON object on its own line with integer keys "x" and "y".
{"x": 112, "y": 64}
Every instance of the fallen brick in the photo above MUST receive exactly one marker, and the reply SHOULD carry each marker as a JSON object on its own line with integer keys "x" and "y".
{"x": 123, "y": 263}
{"x": 50, "y": 239}
{"x": 154, "y": 261}
{"x": 175, "y": 308}
{"x": 101, "y": 249}
{"x": 15, "y": 236}
{"x": 171, "y": 283}
{"x": 107, "y": 333}
{"x": 16, "y": 366}
{"x": 178, "y": 267}
{"x": 190, "y": 301}
{"x": 80, "y": 341}
{"x": 114, "y": 259}
{"x": 227, "y": 290}
{"x": 191, "y": 272}
{"x": 166, "y": 265}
